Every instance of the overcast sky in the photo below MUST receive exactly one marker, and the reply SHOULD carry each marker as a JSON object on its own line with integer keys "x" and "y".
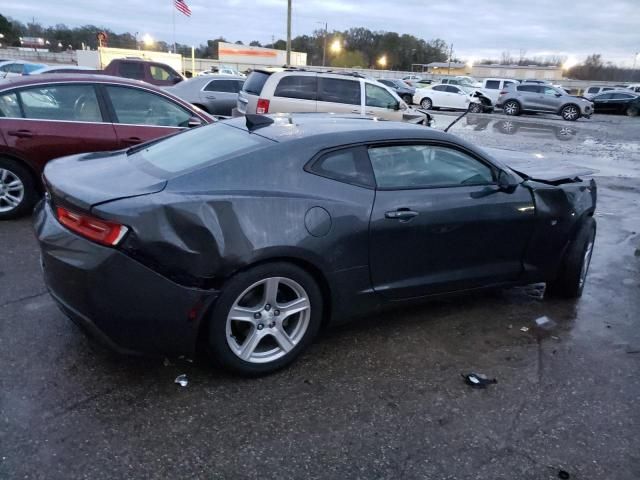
{"x": 478, "y": 29}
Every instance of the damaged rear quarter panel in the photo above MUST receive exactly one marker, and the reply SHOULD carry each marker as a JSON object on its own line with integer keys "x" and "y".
{"x": 210, "y": 223}
{"x": 559, "y": 211}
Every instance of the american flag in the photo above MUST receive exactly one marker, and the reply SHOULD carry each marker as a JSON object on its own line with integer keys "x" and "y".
{"x": 183, "y": 7}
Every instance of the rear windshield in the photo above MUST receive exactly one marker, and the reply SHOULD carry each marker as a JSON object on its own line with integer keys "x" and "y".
{"x": 199, "y": 146}
{"x": 255, "y": 81}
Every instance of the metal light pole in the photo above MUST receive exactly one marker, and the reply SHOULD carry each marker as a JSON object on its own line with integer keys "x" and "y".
{"x": 450, "y": 55}
{"x": 288, "y": 32}
{"x": 324, "y": 42}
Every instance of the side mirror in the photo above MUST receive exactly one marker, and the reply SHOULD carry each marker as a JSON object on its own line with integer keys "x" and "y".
{"x": 558, "y": 94}
{"x": 506, "y": 181}
{"x": 394, "y": 106}
{"x": 176, "y": 80}
{"x": 194, "y": 122}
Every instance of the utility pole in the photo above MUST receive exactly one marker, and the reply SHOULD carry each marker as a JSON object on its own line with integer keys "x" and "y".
{"x": 288, "y": 32}
{"x": 450, "y": 55}
{"x": 324, "y": 46}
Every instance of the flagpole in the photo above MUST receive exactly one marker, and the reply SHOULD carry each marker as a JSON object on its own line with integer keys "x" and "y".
{"x": 173, "y": 14}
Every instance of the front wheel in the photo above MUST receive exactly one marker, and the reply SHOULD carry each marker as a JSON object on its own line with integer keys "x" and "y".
{"x": 572, "y": 274}
{"x": 426, "y": 103}
{"x": 475, "y": 108}
{"x": 633, "y": 111}
{"x": 264, "y": 318}
{"x": 408, "y": 99}
{"x": 570, "y": 112}
{"x": 17, "y": 189}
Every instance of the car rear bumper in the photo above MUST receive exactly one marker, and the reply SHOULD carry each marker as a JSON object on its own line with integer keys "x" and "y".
{"x": 115, "y": 299}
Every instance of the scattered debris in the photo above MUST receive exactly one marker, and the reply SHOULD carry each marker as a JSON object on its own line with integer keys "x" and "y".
{"x": 545, "y": 323}
{"x": 510, "y": 327}
{"x": 186, "y": 359}
{"x": 564, "y": 475}
{"x": 555, "y": 338}
{"x": 182, "y": 380}
{"x": 524, "y": 329}
{"x": 478, "y": 380}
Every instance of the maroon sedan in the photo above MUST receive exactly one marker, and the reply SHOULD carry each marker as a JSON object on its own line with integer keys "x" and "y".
{"x": 49, "y": 116}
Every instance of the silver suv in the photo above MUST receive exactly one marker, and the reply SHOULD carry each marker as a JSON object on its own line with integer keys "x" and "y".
{"x": 295, "y": 91}
{"x": 530, "y": 97}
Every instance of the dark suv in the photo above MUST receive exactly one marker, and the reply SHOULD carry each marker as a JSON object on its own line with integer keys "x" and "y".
{"x": 534, "y": 98}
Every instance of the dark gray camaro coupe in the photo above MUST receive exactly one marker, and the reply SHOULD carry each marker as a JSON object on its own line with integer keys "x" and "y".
{"x": 247, "y": 235}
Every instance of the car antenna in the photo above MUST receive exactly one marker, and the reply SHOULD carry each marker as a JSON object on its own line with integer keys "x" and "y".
{"x": 255, "y": 122}
{"x": 457, "y": 119}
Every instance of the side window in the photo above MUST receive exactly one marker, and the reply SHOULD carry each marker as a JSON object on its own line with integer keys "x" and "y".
{"x": 388, "y": 83}
{"x": 160, "y": 73}
{"x": 132, "y": 70}
{"x": 452, "y": 89}
{"x": 620, "y": 96}
{"x": 348, "y": 166}
{"x": 593, "y": 90}
{"x": 339, "y": 91}
{"x": 425, "y": 166}
{"x": 549, "y": 91}
{"x": 607, "y": 88}
{"x": 604, "y": 96}
{"x": 225, "y": 86}
{"x": 529, "y": 88}
{"x": 139, "y": 107}
{"x": 507, "y": 83}
{"x": 16, "y": 68}
{"x": 493, "y": 84}
{"x": 379, "y": 97}
{"x": 9, "y": 106}
{"x": 440, "y": 88}
{"x": 77, "y": 103}
{"x": 302, "y": 87}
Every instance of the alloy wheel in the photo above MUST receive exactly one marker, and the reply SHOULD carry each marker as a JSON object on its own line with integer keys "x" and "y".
{"x": 570, "y": 113}
{"x": 11, "y": 190}
{"x": 426, "y": 103}
{"x": 511, "y": 108}
{"x": 475, "y": 108}
{"x": 268, "y": 320}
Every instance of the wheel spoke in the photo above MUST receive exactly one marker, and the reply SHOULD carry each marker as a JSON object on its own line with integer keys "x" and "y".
{"x": 11, "y": 200}
{"x": 283, "y": 340}
{"x": 271, "y": 290}
{"x": 15, "y": 185}
{"x": 296, "y": 306}
{"x": 243, "y": 314}
{"x": 3, "y": 175}
{"x": 250, "y": 344}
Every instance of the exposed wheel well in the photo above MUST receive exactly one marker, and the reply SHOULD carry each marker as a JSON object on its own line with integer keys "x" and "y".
{"x": 36, "y": 178}
{"x": 313, "y": 270}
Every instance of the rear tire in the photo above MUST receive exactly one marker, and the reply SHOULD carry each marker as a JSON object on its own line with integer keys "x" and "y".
{"x": 572, "y": 274}
{"x": 632, "y": 111}
{"x": 250, "y": 331}
{"x": 426, "y": 103}
{"x": 475, "y": 108}
{"x": 511, "y": 108}
{"x": 408, "y": 99}
{"x": 18, "y": 191}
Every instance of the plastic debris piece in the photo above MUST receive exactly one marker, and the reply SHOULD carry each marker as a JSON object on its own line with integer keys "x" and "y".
{"x": 524, "y": 329}
{"x": 545, "y": 322}
{"x": 182, "y": 380}
{"x": 478, "y": 380}
{"x": 564, "y": 475}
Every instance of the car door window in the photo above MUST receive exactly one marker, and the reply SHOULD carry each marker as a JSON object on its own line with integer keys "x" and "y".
{"x": 452, "y": 89}
{"x": 132, "y": 70}
{"x": 76, "y": 103}
{"x": 302, "y": 87}
{"x": 160, "y": 73}
{"x": 549, "y": 91}
{"x": 379, "y": 97}
{"x": 224, "y": 86}
{"x": 339, "y": 91}
{"x": 139, "y": 107}
{"x": 620, "y": 96}
{"x": 426, "y": 166}
{"x": 9, "y": 106}
{"x": 348, "y": 166}
{"x": 16, "y": 68}
{"x": 507, "y": 83}
{"x": 529, "y": 88}
{"x": 603, "y": 96}
{"x": 440, "y": 88}
{"x": 493, "y": 84}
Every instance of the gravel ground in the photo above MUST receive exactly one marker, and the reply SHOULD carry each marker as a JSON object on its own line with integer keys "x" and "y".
{"x": 381, "y": 398}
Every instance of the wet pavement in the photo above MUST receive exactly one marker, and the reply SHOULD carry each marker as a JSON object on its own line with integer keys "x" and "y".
{"x": 381, "y": 398}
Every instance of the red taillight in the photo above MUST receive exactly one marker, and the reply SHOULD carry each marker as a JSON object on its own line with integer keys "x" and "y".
{"x": 100, "y": 231}
{"x": 263, "y": 106}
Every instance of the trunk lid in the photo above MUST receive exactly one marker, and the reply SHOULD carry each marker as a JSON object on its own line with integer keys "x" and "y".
{"x": 86, "y": 180}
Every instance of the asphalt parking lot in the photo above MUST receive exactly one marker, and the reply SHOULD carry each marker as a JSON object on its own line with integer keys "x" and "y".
{"x": 381, "y": 398}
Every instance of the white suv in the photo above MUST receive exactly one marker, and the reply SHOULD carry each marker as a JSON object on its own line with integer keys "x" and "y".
{"x": 295, "y": 91}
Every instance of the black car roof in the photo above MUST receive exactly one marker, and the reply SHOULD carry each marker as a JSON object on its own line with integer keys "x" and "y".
{"x": 298, "y": 126}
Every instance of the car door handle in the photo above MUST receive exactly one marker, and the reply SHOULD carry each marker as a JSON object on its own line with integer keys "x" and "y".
{"x": 210, "y": 97}
{"x": 356, "y": 111}
{"x": 21, "y": 133}
{"x": 132, "y": 140}
{"x": 369, "y": 112}
{"x": 401, "y": 214}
